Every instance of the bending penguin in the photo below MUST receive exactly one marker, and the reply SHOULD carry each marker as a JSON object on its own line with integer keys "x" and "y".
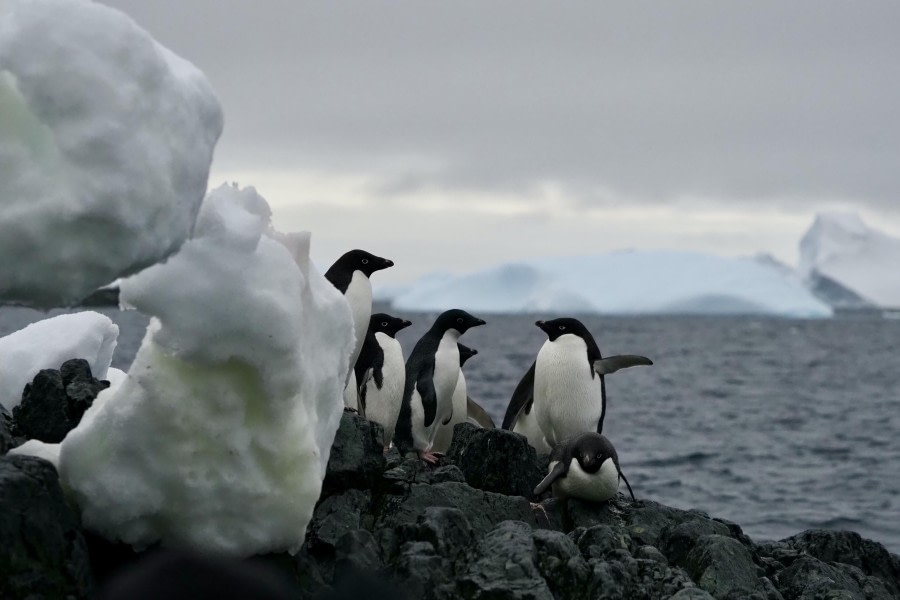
{"x": 585, "y": 467}
{"x": 350, "y": 275}
{"x": 444, "y": 435}
{"x": 563, "y": 394}
{"x": 381, "y": 373}
{"x": 432, "y": 371}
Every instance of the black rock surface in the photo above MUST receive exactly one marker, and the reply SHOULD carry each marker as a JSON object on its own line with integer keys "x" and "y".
{"x": 389, "y": 526}
{"x": 55, "y": 400}
{"x": 42, "y": 549}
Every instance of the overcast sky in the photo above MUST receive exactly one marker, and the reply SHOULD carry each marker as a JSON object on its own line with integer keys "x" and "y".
{"x": 455, "y": 135}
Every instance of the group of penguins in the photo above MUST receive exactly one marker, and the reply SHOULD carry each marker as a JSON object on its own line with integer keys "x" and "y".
{"x": 559, "y": 405}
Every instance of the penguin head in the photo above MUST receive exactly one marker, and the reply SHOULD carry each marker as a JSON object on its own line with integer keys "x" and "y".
{"x": 384, "y": 323}
{"x": 591, "y": 450}
{"x": 360, "y": 260}
{"x": 465, "y": 353}
{"x": 457, "y": 319}
{"x": 558, "y": 327}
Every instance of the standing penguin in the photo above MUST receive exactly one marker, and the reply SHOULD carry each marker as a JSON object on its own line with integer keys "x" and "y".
{"x": 350, "y": 275}
{"x": 432, "y": 371}
{"x": 381, "y": 373}
{"x": 444, "y": 435}
{"x": 564, "y": 393}
{"x": 584, "y": 467}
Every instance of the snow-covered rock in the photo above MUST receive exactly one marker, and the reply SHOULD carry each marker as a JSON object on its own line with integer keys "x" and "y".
{"x": 840, "y": 247}
{"x": 627, "y": 282}
{"x": 219, "y": 435}
{"x": 106, "y": 138}
{"x": 49, "y": 343}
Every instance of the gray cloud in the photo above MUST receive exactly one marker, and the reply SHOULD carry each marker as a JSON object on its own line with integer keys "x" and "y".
{"x": 732, "y": 100}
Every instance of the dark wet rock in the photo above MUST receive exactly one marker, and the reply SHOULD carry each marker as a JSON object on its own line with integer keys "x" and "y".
{"x": 850, "y": 548}
{"x": 504, "y": 566}
{"x": 601, "y": 541}
{"x": 335, "y": 516}
{"x": 691, "y": 594}
{"x": 637, "y": 579}
{"x": 42, "y": 550}
{"x": 357, "y": 551}
{"x": 560, "y": 563}
{"x": 7, "y": 440}
{"x": 42, "y": 413}
{"x": 483, "y": 509}
{"x": 55, "y": 400}
{"x": 446, "y": 529}
{"x": 724, "y": 567}
{"x": 424, "y": 572}
{"x": 495, "y": 460}
{"x": 808, "y": 577}
{"x": 356, "y": 459}
{"x": 678, "y": 539}
{"x": 81, "y": 388}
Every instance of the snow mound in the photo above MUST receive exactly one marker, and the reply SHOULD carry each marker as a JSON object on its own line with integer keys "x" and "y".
{"x": 839, "y": 246}
{"x": 48, "y": 344}
{"x": 219, "y": 435}
{"x": 629, "y": 282}
{"x": 106, "y": 139}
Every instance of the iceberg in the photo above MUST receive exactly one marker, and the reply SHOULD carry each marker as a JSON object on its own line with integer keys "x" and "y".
{"x": 106, "y": 139}
{"x": 625, "y": 283}
{"x": 219, "y": 435}
{"x": 839, "y": 248}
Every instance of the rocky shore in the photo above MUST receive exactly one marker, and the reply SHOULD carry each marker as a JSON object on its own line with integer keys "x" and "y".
{"x": 388, "y": 526}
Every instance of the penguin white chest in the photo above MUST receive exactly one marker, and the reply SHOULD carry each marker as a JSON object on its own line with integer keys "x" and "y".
{"x": 446, "y": 370}
{"x": 383, "y": 405}
{"x": 359, "y": 297}
{"x": 568, "y": 396}
{"x": 595, "y": 487}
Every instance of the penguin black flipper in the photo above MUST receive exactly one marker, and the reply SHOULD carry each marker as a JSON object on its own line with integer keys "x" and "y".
{"x": 622, "y": 475}
{"x": 478, "y": 414}
{"x": 371, "y": 357}
{"x": 562, "y": 455}
{"x": 559, "y": 470}
{"x": 611, "y": 364}
{"x": 522, "y": 399}
{"x": 425, "y": 387}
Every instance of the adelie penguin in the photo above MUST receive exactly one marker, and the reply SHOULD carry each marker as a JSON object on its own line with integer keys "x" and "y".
{"x": 432, "y": 371}
{"x": 584, "y": 467}
{"x": 444, "y": 435}
{"x": 350, "y": 275}
{"x": 381, "y": 373}
{"x": 563, "y": 394}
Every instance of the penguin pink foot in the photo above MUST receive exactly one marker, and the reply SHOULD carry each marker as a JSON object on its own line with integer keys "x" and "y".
{"x": 430, "y": 457}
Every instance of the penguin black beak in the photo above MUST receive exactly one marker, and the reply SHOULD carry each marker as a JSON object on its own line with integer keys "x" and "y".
{"x": 540, "y": 324}
{"x": 405, "y": 324}
{"x": 480, "y": 322}
{"x": 387, "y": 263}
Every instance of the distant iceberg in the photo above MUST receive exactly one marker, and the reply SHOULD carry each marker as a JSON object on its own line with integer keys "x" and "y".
{"x": 625, "y": 283}
{"x": 840, "y": 248}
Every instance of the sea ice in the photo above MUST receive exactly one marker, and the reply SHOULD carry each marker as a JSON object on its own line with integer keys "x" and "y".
{"x": 219, "y": 435}
{"x": 48, "y": 344}
{"x": 106, "y": 138}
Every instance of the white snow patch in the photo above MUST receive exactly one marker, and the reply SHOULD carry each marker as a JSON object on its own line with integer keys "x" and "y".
{"x": 49, "y": 343}
{"x": 627, "y": 282}
{"x": 219, "y": 436}
{"x": 842, "y": 247}
{"x": 106, "y": 138}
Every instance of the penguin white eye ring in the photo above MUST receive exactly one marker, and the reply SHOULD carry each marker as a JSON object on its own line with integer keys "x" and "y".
{"x": 562, "y": 327}
{"x": 384, "y": 323}
{"x": 365, "y": 261}
{"x": 459, "y": 320}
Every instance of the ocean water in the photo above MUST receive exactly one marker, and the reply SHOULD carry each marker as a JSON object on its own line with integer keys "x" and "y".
{"x": 779, "y": 425}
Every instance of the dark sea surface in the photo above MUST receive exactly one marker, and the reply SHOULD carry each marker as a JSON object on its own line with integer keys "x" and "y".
{"x": 779, "y": 425}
